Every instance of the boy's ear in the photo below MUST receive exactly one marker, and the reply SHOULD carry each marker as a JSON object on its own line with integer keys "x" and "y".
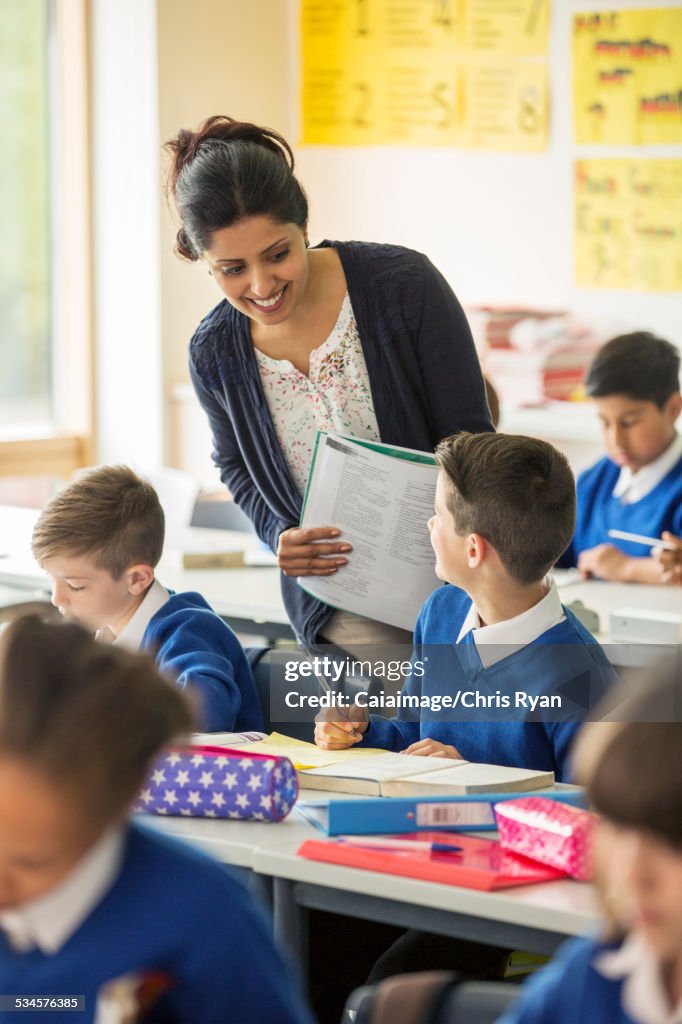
{"x": 675, "y": 405}
{"x": 476, "y": 550}
{"x": 140, "y": 578}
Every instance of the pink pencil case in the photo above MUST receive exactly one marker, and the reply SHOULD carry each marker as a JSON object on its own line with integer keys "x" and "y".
{"x": 549, "y": 832}
{"x": 219, "y": 782}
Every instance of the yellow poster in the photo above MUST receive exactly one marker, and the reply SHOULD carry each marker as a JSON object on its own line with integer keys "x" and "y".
{"x": 627, "y": 75}
{"x": 628, "y": 224}
{"x": 506, "y": 106}
{"x": 512, "y": 28}
{"x": 426, "y": 73}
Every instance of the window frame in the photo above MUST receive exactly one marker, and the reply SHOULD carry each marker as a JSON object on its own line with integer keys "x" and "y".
{"x": 68, "y": 444}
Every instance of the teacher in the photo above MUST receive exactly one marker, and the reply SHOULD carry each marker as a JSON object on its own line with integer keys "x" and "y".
{"x": 356, "y": 337}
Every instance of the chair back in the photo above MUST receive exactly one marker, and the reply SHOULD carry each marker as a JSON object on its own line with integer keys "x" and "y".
{"x": 430, "y": 997}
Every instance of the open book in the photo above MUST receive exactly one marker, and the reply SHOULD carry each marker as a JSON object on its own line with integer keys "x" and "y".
{"x": 391, "y": 774}
{"x": 380, "y": 497}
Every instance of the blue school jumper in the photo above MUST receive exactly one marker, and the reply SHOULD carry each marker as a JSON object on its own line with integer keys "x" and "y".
{"x": 193, "y": 645}
{"x": 570, "y": 990}
{"x": 565, "y": 661}
{"x": 174, "y": 911}
{"x": 598, "y": 511}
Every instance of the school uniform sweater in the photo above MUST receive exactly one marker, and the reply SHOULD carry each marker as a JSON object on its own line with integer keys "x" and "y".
{"x": 572, "y": 989}
{"x": 565, "y": 661}
{"x": 424, "y": 377}
{"x": 174, "y": 911}
{"x": 599, "y": 511}
{"x": 198, "y": 650}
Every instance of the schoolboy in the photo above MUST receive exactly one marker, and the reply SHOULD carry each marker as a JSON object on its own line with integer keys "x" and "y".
{"x": 100, "y": 539}
{"x": 637, "y": 486}
{"x": 504, "y": 511}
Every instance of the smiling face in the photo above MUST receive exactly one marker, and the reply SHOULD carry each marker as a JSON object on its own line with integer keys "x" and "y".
{"x": 636, "y": 432}
{"x": 43, "y": 835}
{"x": 261, "y": 267}
{"x": 89, "y": 595}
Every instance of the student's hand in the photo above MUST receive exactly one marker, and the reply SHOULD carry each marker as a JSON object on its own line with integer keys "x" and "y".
{"x": 670, "y": 561}
{"x": 340, "y": 734}
{"x": 605, "y": 561}
{"x": 432, "y": 748}
{"x": 302, "y": 552}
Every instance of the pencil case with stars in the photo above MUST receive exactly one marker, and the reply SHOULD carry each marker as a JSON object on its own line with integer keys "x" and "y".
{"x": 219, "y": 782}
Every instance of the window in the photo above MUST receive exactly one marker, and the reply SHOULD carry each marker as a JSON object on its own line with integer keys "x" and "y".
{"x": 25, "y": 228}
{"x": 45, "y": 279}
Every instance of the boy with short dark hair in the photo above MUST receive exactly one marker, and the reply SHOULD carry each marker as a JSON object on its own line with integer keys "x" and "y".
{"x": 100, "y": 539}
{"x": 637, "y": 486}
{"x": 504, "y": 511}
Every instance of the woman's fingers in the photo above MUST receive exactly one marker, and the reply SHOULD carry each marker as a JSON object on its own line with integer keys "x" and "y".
{"x": 303, "y": 552}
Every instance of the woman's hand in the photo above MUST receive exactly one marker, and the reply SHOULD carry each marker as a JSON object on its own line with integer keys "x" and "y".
{"x": 303, "y": 551}
{"x": 432, "y": 748}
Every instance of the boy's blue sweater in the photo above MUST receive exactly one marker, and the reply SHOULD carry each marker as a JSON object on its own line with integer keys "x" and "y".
{"x": 566, "y": 661}
{"x": 175, "y": 911}
{"x": 598, "y": 511}
{"x": 193, "y": 645}
{"x": 570, "y": 990}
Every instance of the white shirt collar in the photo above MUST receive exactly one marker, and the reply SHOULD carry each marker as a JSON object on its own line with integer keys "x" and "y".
{"x": 49, "y": 921}
{"x": 631, "y": 487}
{"x": 131, "y": 635}
{"x": 502, "y": 639}
{"x": 644, "y": 995}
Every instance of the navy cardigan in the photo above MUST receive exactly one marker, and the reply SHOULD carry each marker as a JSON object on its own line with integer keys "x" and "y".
{"x": 424, "y": 376}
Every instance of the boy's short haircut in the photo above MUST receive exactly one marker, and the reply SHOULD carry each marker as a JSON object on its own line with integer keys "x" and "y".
{"x": 109, "y": 514}
{"x": 89, "y": 716}
{"x": 639, "y": 365}
{"x": 516, "y": 492}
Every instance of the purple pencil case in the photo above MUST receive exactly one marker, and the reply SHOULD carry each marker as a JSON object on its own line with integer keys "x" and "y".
{"x": 219, "y": 782}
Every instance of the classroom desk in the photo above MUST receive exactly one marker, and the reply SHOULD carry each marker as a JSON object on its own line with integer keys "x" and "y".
{"x": 537, "y": 918}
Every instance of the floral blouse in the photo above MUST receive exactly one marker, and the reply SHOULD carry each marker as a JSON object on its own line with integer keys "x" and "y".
{"x": 334, "y": 396}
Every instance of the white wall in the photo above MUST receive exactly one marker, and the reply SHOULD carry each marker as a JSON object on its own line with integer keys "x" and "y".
{"x": 499, "y": 225}
{"x": 125, "y": 162}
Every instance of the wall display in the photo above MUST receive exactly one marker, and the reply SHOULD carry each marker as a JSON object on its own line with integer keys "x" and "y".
{"x": 627, "y": 77}
{"x": 440, "y": 72}
{"x": 628, "y": 224}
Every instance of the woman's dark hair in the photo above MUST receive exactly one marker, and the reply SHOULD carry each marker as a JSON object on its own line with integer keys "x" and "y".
{"x": 89, "y": 716}
{"x": 632, "y": 764}
{"x": 226, "y": 171}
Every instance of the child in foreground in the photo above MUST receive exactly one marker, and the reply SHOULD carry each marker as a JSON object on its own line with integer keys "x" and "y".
{"x": 632, "y": 973}
{"x": 100, "y": 539}
{"x": 504, "y": 512}
{"x": 90, "y": 903}
{"x": 637, "y": 487}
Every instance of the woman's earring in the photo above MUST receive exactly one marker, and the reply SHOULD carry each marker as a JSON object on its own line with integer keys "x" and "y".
{"x": 307, "y": 243}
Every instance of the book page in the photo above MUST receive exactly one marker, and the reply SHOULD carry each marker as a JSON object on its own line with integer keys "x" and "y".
{"x": 380, "y": 769}
{"x": 306, "y": 755}
{"x": 381, "y": 503}
{"x": 466, "y": 777}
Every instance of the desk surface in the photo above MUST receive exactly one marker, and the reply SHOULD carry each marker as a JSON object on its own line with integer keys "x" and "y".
{"x": 564, "y": 907}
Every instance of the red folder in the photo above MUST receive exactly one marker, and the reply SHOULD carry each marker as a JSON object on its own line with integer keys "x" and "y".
{"x": 481, "y": 863}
